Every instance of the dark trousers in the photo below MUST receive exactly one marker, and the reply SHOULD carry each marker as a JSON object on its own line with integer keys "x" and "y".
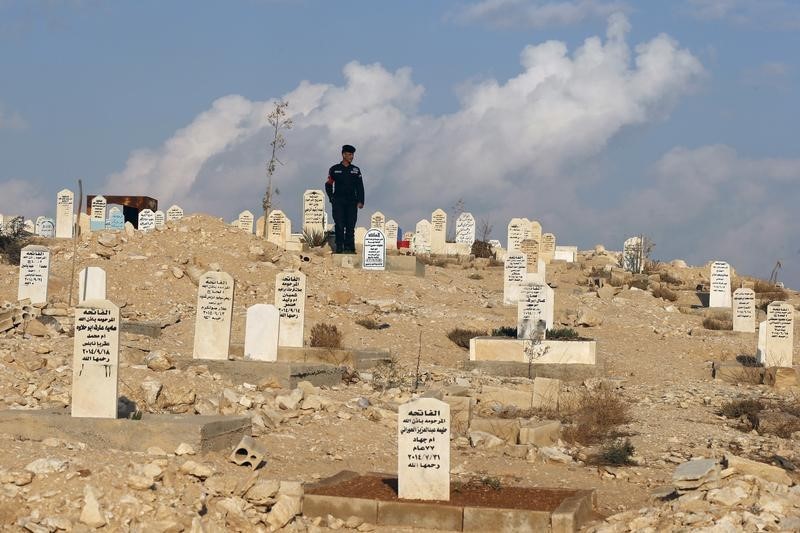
{"x": 344, "y": 216}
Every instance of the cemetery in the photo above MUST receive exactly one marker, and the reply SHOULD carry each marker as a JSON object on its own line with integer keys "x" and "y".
{"x": 163, "y": 370}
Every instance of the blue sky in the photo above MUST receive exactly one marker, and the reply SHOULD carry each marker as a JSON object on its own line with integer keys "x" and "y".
{"x": 600, "y": 118}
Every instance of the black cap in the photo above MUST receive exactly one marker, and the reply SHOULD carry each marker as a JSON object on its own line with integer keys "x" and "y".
{"x": 348, "y": 148}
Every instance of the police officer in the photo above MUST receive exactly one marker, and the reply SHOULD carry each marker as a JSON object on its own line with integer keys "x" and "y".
{"x": 345, "y": 190}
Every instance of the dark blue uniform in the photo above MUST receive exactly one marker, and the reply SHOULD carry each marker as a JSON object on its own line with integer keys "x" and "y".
{"x": 345, "y": 189}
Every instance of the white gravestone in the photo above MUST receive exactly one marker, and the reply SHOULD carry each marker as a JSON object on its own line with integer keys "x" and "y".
{"x": 378, "y": 221}
{"x": 212, "y": 327}
{"x": 423, "y": 450}
{"x": 720, "y": 285}
{"x": 290, "y": 299}
{"x": 535, "y": 304}
{"x": 391, "y": 235}
{"x": 374, "y": 254}
{"x": 95, "y": 360}
{"x": 47, "y": 229}
{"x": 465, "y": 229}
{"x": 517, "y": 231}
{"x": 97, "y": 214}
{"x": 277, "y": 232}
{"x": 34, "y": 270}
{"x": 314, "y": 212}
{"x": 566, "y": 253}
{"x": 438, "y": 231}
{"x": 779, "y": 339}
{"x": 422, "y": 237}
{"x": 147, "y": 220}
{"x": 160, "y": 219}
{"x": 547, "y": 247}
{"x": 633, "y": 255}
{"x": 744, "y": 310}
{"x": 91, "y": 284}
{"x": 761, "y": 347}
{"x": 540, "y": 276}
{"x": 29, "y": 226}
{"x": 514, "y": 271}
{"x": 358, "y": 235}
{"x": 530, "y": 247}
{"x": 174, "y": 213}
{"x": 245, "y": 221}
{"x": 38, "y": 224}
{"x": 261, "y": 333}
{"x": 116, "y": 219}
{"x": 65, "y": 210}
{"x": 534, "y": 231}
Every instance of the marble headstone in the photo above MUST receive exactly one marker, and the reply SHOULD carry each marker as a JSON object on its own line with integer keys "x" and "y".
{"x": 277, "y": 231}
{"x": 779, "y": 340}
{"x": 378, "y": 221}
{"x": 530, "y": 247}
{"x": 547, "y": 247}
{"x": 422, "y": 237}
{"x": 246, "y": 221}
{"x": 261, "y": 333}
{"x": 744, "y": 310}
{"x": 374, "y": 254}
{"x": 147, "y": 220}
{"x": 91, "y": 284}
{"x": 160, "y": 219}
{"x": 534, "y": 231}
{"x": 34, "y": 270}
{"x": 97, "y": 216}
{"x": 465, "y": 229}
{"x": 174, "y": 213}
{"x": 535, "y": 304}
{"x": 423, "y": 450}
{"x": 212, "y": 327}
{"x": 391, "y": 235}
{"x": 314, "y": 212}
{"x": 517, "y": 231}
{"x": 438, "y": 231}
{"x": 514, "y": 273}
{"x": 65, "y": 210}
{"x": 290, "y": 299}
{"x": 720, "y": 285}
{"x": 633, "y": 255}
{"x": 95, "y": 360}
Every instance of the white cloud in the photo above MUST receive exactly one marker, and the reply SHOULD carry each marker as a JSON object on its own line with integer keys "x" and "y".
{"x": 22, "y": 198}
{"x": 537, "y": 13}
{"x": 773, "y": 14}
{"x": 772, "y": 74}
{"x": 509, "y": 141}
{"x": 11, "y": 120}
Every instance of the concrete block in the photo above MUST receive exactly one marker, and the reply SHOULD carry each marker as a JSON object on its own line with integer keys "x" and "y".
{"x": 545, "y": 393}
{"x": 249, "y": 453}
{"x": 166, "y": 431}
{"x": 287, "y": 375}
{"x": 573, "y": 373}
{"x": 781, "y": 378}
{"x": 544, "y": 433}
{"x": 505, "y": 428}
{"x": 397, "y": 264}
{"x": 340, "y": 507}
{"x": 502, "y": 396}
{"x": 482, "y": 519}
{"x": 148, "y": 329}
{"x": 420, "y": 515}
{"x": 573, "y": 513}
{"x": 735, "y": 372}
{"x": 460, "y": 413}
{"x": 513, "y": 350}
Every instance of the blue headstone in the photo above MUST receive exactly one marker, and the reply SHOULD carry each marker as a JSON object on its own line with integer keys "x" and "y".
{"x": 116, "y": 220}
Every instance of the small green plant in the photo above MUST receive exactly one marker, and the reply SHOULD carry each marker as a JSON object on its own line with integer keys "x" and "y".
{"x": 461, "y": 336}
{"x": 314, "y": 238}
{"x": 505, "y": 331}
{"x": 617, "y": 452}
{"x": 325, "y": 336}
{"x": 562, "y": 334}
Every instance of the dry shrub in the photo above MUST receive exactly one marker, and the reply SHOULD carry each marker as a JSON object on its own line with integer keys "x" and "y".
{"x": 461, "y": 336}
{"x": 737, "y": 408}
{"x": 640, "y": 283}
{"x": 718, "y": 320}
{"x": 596, "y": 416}
{"x": 616, "y": 452}
{"x": 766, "y": 293}
{"x": 563, "y": 334}
{"x": 505, "y": 331}
{"x": 665, "y": 294}
{"x": 669, "y": 279}
{"x": 325, "y": 336}
{"x": 314, "y": 239}
{"x": 482, "y": 249}
{"x": 369, "y": 323}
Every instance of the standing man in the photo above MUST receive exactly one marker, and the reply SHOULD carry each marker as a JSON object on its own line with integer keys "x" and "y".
{"x": 345, "y": 190}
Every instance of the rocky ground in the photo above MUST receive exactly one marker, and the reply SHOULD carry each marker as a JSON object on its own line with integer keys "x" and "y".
{"x": 655, "y": 356}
